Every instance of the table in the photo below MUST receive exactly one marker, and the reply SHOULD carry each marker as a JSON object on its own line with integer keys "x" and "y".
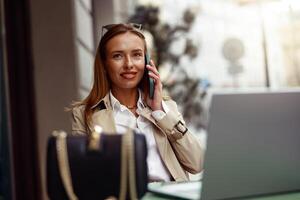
{"x": 293, "y": 196}
{"x": 289, "y": 196}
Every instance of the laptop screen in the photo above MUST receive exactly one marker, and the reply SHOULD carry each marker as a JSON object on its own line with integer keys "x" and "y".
{"x": 253, "y": 145}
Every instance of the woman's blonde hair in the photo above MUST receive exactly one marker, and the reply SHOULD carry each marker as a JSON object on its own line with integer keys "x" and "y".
{"x": 101, "y": 85}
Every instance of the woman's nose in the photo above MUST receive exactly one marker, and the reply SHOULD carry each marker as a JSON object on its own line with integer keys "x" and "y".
{"x": 128, "y": 63}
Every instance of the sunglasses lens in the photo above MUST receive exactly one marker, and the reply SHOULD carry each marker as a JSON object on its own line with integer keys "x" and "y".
{"x": 137, "y": 26}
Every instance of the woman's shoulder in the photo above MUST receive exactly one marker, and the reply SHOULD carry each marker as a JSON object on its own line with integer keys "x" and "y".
{"x": 78, "y": 110}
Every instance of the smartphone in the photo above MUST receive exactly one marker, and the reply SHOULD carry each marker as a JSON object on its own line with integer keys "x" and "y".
{"x": 150, "y": 80}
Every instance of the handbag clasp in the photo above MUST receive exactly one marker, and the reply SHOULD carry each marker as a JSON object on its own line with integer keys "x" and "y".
{"x": 94, "y": 139}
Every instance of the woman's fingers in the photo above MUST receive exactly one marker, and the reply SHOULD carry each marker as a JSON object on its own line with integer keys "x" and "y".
{"x": 153, "y": 68}
{"x": 154, "y": 76}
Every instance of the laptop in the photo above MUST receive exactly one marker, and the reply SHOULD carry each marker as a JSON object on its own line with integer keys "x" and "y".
{"x": 253, "y": 147}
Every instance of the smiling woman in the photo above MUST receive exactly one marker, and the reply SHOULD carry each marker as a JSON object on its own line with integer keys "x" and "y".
{"x": 120, "y": 95}
{"x": 125, "y": 65}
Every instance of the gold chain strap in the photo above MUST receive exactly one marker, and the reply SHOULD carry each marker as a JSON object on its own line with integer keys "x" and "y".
{"x": 63, "y": 163}
{"x": 123, "y": 178}
{"x": 131, "y": 170}
{"x": 128, "y": 166}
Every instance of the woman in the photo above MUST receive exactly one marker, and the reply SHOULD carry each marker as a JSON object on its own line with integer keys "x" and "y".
{"x": 120, "y": 95}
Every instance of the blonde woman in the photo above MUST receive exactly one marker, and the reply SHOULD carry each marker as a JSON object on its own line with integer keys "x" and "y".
{"x": 120, "y": 94}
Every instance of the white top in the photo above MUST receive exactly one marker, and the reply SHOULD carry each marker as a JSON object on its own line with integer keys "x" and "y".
{"x": 124, "y": 119}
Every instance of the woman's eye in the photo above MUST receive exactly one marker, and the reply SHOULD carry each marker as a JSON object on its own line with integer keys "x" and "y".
{"x": 117, "y": 56}
{"x": 138, "y": 55}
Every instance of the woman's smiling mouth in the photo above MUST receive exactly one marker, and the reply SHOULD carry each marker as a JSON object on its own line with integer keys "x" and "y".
{"x": 128, "y": 75}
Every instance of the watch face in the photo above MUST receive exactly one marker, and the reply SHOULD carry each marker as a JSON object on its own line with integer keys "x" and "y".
{"x": 181, "y": 128}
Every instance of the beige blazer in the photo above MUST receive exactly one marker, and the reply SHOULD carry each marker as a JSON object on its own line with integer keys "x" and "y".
{"x": 179, "y": 149}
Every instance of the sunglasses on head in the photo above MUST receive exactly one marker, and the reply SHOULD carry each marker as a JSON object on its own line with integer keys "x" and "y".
{"x": 107, "y": 27}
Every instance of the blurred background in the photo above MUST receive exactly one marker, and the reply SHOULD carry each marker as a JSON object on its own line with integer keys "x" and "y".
{"x": 201, "y": 46}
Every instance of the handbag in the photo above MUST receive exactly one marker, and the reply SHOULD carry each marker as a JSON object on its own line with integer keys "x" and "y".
{"x": 97, "y": 166}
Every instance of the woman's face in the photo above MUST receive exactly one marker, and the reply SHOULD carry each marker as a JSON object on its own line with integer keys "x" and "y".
{"x": 125, "y": 61}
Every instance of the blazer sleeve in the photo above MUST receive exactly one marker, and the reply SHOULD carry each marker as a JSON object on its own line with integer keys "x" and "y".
{"x": 78, "y": 125}
{"x": 185, "y": 145}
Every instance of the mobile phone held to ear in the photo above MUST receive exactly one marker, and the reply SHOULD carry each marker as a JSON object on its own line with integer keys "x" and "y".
{"x": 150, "y": 80}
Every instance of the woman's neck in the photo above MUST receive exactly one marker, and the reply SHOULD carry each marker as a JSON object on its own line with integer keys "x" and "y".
{"x": 127, "y": 97}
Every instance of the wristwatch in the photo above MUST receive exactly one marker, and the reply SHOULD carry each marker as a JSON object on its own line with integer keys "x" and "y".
{"x": 181, "y": 127}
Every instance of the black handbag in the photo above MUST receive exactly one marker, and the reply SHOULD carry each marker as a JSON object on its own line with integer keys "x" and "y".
{"x": 96, "y": 166}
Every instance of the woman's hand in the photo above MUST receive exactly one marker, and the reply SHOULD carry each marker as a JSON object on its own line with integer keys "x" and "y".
{"x": 156, "y": 102}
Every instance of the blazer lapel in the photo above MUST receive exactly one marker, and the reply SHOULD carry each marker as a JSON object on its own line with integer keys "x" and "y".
{"x": 104, "y": 116}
